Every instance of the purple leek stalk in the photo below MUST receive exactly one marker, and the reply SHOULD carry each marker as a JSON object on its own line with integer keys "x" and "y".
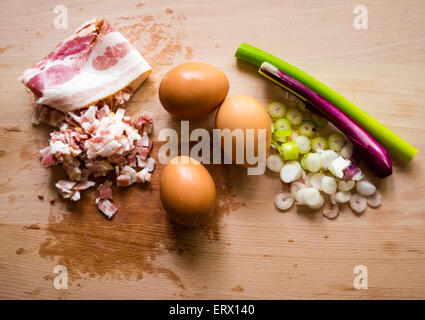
{"x": 365, "y": 146}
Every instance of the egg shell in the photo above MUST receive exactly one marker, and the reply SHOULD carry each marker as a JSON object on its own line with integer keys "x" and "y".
{"x": 192, "y": 90}
{"x": 244, "y": 112}
{"x": 187, "y": 191}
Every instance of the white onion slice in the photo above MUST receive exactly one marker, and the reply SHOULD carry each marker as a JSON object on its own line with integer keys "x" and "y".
{"x": 375, "y": 200}
{"x": 291, "y": 171}
{"x": 316, "y": 181}
{"x": 295, "y": 186}
{"x": 300, "y": 196}
{"x": 342, "y": 196}
{"x": 346, "y": 185}
{"x": 338, "y": 165}
{"x": 274, "y": 163}
{"x": 365, "y": 188}
{"x": 329, "y": 185}
{"x": 327, "y": 157}
{"x": 331, "y": 213}
{"x": 358, "y": 203}
{"x": 313, "y": 199}
{"x": 347, "y": 150}
{"x": 313, "y": 162}
{"x": 284, "y": 201}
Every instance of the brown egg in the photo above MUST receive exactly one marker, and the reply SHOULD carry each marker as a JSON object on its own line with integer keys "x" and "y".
{"x": 244, "y": 112}
{"x": 187, "y": 191}
{"x": 192, "y": 90}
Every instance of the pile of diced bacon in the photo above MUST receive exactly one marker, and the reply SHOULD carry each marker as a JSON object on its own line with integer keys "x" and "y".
{"x": 96, "y": 142}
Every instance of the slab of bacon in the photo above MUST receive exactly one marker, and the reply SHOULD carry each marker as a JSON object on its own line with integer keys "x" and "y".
{"x": 77, "y": 88}
{"x": 93, "y": 64}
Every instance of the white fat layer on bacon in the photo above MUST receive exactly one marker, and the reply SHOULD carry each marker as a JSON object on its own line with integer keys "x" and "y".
{"x": 91, "y": 85}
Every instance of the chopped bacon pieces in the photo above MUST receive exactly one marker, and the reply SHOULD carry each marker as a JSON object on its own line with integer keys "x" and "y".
{"x": 99, "y": 142}
{"x": 71, "y": 189}
{"x": 123, "y": 180}
{"x": 84, "y": 185}
{"x": 144, "y": 122}
{"x": 48, "y": 160}
{"x": 107, "y": 207}
{"x": 103, "y": 203}
{"x": 105, "y": 190}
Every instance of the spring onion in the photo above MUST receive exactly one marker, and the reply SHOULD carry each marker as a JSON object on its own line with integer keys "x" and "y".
{"x": 294, "y": 116}
{"x": 342, "y": 196}
{"x": 281, "y": 135}
{"x": 373, "y": 154}
{"x": 365, "y": 188}
{"x": 289, "y": 151}
{"x": 390, "y": 140}
{"x": 276, "y": 109}
{"x": 313, "y": 162}
{"x": 319, "y": 143}
{"x": 274, "y": 163}
{"x": 374, "y": 200}
{"x": 284, "y": 201}
{"x": 301, "y": 106}
{"x": 346, "y": 185}
{"x": 290, "y": 172}
{"x": 358, "y": 203}
{"x": 338, "y": 166}
{"x": 282, "y": 124}
{"x": 336, "y": 141}
{"x": 303, "y": 144}
{"x": 327, "y": 157}
{"x": 316, "y": 181}
{"x": 329, "y": 185}
{"x": 347, "y": 150}
{"x": 318, "y": 121}
{"x": 306, "y": 128}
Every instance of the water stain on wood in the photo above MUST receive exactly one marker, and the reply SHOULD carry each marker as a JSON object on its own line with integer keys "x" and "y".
{"x": 128, "y": 245}
{"x": 5, "y": 48}
{"x": 11, "y": 199}
{"x": 391, "y": 247}
{"x": 238, "y": 288}
{"x": 159, "y": 38}
{"x": 189, "y": 53}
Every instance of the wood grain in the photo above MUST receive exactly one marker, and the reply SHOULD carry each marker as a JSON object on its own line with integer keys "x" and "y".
{"x": 251, "y": 250}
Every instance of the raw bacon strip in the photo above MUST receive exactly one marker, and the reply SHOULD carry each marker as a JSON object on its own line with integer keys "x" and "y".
{"x": 94, "y": 63}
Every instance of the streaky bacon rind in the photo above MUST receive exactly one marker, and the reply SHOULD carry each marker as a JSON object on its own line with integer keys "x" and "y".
{"x": 93, "y": 64}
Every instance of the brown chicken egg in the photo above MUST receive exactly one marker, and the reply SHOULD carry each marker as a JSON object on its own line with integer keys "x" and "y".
{"x": 192, "y": 90}
{"x": 244, "y": 112}
{"x": 187, "y": 191}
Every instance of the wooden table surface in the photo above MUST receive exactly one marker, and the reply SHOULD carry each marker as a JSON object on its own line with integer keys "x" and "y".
{"x": 250, "y": 250}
